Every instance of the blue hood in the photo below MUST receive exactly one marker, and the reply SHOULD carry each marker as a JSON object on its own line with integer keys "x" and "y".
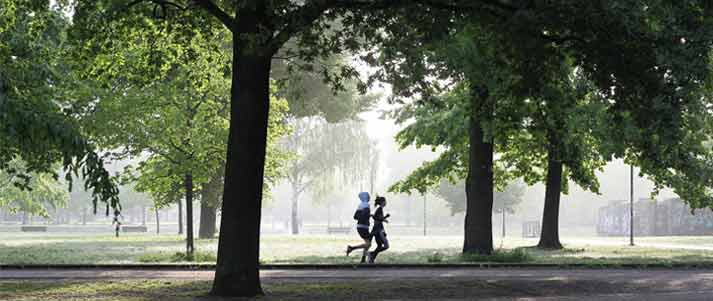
{"x": 364, "y": 197}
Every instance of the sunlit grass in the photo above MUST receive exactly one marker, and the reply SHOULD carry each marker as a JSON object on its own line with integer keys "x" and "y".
{"x": 45, "y": 248}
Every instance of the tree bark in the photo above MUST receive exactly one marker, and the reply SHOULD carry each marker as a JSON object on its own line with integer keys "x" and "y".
{"x": 180, "y": 217}
{"x": 479, "y": 185}
{"x": 210, "y": 199}
{"x": 237, "y": 269}
{"x": 207, "y": 222}
{"x": 158, "y": 223}
{"x": 549, "y": 237}
{"x": 295, "y": 211}
{"x": 189, "y": 214}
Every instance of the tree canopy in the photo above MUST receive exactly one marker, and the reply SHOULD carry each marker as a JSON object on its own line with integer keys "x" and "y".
{"x": 34, "y": 125}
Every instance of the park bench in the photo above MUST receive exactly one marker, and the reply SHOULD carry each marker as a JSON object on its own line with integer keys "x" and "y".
{"x": 531, "y": 229}
{"x": 128, "y": 229}
{"x": 33, "y": 228}
{"x": 338, "y": 230}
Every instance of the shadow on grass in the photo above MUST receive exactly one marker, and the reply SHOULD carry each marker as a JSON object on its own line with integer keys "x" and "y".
{"x": 342, "y": 289}
{"x": 104, "y": 290}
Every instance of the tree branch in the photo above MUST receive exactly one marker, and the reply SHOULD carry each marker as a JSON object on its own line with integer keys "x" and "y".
{"x": 217, "y": 12}
{"x": 312, "y": 10}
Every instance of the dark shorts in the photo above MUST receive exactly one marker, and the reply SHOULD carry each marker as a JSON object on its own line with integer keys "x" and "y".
{"x": 381, "y": 239}
{"x": 364, "y": 233}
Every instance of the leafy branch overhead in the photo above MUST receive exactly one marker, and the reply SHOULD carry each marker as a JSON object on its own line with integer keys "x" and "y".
{"x": 34, "y": 126}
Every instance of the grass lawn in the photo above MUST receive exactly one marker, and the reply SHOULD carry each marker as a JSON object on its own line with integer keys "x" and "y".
{"x": 24, "y": 248}
{"x": 352, "y": 289}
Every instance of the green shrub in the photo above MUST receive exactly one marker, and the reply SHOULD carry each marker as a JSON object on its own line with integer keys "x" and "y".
{"x": 177, "y": 257}
{"x": 515, "y": 255}
{"x": 435, "y": 257}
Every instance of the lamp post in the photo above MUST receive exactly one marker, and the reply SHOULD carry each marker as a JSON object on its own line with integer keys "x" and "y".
{"x": 631, "y": 205}
{"x": 424, "y": 214}
{"x": 503, "y": 222}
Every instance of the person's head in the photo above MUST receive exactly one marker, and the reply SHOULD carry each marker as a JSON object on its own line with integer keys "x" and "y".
{"x": 364, "y": 197}
{"x": 380, "y": 200}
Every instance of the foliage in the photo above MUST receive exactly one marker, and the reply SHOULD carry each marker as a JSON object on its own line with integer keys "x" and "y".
{"x": 309, "y": 95}
{"x": 508, "y": 199}
{"x": 326, "y": 155}
{"x": 173, "y": 106}
{"x": 648, "y": 73}
{"x": 36, "y": 197}
{"x": 33, "y": 126}
{"x": 515, "y": 255}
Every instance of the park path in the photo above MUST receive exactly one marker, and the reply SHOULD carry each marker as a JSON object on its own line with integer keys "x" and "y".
{"x": 650, "y": 274}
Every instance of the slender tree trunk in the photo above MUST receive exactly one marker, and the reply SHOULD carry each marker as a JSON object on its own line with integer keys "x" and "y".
{"x": 25, "y": 218}
{"x": 143, "y": 215}
{"x": 295, "y": 211}
{"x": 84, "y": 216}
{"x": 158, "y": 223}
{"x": 479, "y": 186}
{"x": 237, "y": 269}
{"x": 549, "y": 236}
{"x": 189, "y": 214}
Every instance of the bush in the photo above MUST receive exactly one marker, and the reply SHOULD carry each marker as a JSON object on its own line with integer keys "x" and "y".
{"x": 515, "y": 255}
{"x": 178, "y": 257}
{"x": 435, "y": 257}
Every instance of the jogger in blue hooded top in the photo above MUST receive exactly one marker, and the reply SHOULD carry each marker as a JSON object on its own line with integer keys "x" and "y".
{"x": 362, "y": 215}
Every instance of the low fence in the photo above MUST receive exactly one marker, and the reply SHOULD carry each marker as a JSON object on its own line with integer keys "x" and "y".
{"x": 654, "y": 218}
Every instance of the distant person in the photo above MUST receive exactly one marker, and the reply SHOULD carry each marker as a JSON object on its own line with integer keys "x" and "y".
{"x": 117, "y": 223}
{"x": 362, "y": 215}
{"x": 378, "y": 232}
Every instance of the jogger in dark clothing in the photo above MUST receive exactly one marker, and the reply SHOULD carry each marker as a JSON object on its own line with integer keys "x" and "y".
{"x": 378, "y": 232}
{"x": 362, "y": 215}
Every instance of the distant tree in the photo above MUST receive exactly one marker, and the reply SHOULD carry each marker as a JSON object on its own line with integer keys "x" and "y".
{"x": 325, "y": 155}
{"x": 324, "y": 121}
{"x": 40, "y": 196}
{"x": 506, "y": 200}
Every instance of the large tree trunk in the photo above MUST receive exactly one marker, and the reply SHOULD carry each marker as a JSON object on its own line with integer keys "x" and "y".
{"x": 189, "y": 214}
{"x": 180, "y": 217}
{"x": 237, "y": 269}
{"x": 295, "y": 211}
{"x": 479, "y": 185}
{"x": 549, "y": 237}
